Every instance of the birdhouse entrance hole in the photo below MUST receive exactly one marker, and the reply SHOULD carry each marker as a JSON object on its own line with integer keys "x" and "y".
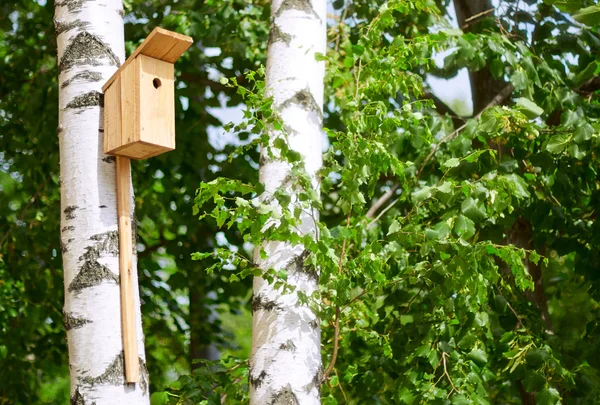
{"x": 156, "y": 82}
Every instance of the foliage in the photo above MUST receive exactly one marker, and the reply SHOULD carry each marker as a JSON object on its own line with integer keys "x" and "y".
{"x": 474, "y": 281}
{"x": 434, "y": 295}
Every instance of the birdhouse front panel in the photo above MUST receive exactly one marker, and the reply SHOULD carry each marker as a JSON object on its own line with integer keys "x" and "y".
{"x": 157, "y": 107}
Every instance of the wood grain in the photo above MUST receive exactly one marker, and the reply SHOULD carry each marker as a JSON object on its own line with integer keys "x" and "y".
{"x": 128, "y": 322}
{"x": 112, "y": 117}
{"x": 157, "y": 111}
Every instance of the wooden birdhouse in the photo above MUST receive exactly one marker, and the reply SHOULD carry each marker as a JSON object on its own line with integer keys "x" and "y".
{"x": 139, "y": 99}
{"x": 139, "y": 122}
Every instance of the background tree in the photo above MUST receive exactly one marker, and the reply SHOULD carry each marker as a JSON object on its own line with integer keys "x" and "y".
{"x": 285, "y": 364}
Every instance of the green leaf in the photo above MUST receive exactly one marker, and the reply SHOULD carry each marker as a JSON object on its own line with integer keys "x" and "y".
{"x": 438, "y": 232}
{"x": 519, "y": 80}
{"x": 574, "y": 151}
{"x": 497, "y": 68}
{"x": 536, "y": 358}
{"x": 519, "y": 186}
{"x": 406, "y": 396}
{"x": 529, "y": 108}
{"x": 478, "y": 356}
{"x": 583, "y": 133}
{"x": 548, "y": 396}
{"x": 159, "y": 398}
{"x": 482, "y": 318}
{"x": 394, "y": 227}
{"x": 533, "y": 381}
{"x": 421, "y": 195}
{"x": 446, "y": 187}
{"x": 558, "y": 143}
{"x": 464, "y": 227}
{"x": 471, "y": 209}
{"x": 406, "y": 319}
{"x": 450, "y": 163}
{"x": 588, "y": 16}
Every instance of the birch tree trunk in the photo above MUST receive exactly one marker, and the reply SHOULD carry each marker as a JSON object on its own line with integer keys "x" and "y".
{"x": 90, "y": 49}
{"x": 285, "y": 364}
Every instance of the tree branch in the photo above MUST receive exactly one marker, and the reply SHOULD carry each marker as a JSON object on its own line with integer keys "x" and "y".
{"x": 497, "y": 100}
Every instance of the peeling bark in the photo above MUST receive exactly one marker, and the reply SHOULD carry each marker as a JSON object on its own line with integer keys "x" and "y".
{"x": 91, "y": 99}
{"x": 114, "y": 374}
{"x": 87, "y": 50}
{"x": 85, "y": 76}
{"x": 304, "y": 6}
{"x": 60, "y": 27}
{"x": 275, "y": 34}
{"x": 92, "y": 272}
{"x": 73, "y": 322}
{"x": 77, "y": 399}
{"x": 72, "y": 5}
{"x": 285, "y": 397}
{"x": 70, "y": 211}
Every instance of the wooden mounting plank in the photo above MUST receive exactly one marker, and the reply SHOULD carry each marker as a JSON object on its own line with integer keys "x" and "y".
{"x": 161, "y": 44}
{"x": 130, "y": 350}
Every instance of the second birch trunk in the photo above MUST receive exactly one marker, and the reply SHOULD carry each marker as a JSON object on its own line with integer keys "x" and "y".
{"x": 285, "y": 364}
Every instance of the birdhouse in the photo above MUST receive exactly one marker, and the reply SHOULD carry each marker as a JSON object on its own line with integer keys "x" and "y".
{"x": 139, "y": 99}
{"x": 139, "y": 122}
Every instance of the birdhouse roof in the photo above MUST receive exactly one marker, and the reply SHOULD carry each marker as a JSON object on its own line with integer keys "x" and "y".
{"x": 161, "y": 44}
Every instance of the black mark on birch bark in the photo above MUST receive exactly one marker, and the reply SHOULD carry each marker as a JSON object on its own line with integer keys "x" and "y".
{"x": 60, "y": 27}
{"x": 305, "y": 100}
{"x": 102, "y": 206}
{"x": 288, "y": 346}
{"x": 87, "y": 49}
{"x": 263, "y": 159}
{"x": 113, "y": 375}
{"x": 261, "y": 302}
{"x": 109, "y": 159}
{"x": 121, "y": 12}
{"x": 59, "y": 130}
{"x": 316, "y": 380}
{"x": 143, "y": 376}
{"x": 72, "y": 5}
{"x": 314, "y": 324}
{"x": 297, "y": 265}
{"x": 68, "y": 228}
{"x": 63, "y": 247}
{"x": 300, "y": 5}
{"x": 85, "y": 76}
{"x": 275, "y": 34}
{"x": 257, "y": 381}
{"x": 73, "y": 322}
{"x": 91, "y": 99}
{"x": 92, "y": 272}
{"x": 285, "y": 397}
{"x": 70, "y": 211}
{"x": 77, "y": 399}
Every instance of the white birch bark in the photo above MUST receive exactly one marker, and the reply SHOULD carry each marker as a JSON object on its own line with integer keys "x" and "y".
{"x": 285, "y": 364}
{"x": 90, "y": 39}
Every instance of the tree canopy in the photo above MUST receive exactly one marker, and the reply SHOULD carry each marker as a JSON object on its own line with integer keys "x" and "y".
{"x": 458, "y": 255}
